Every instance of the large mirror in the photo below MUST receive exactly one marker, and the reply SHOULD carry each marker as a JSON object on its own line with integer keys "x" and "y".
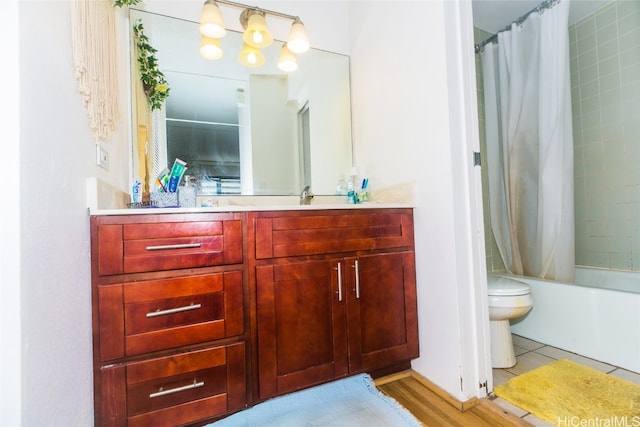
{"x": 249, "y": 131}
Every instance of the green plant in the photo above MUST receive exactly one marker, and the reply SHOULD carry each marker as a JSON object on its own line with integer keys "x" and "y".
{"x": 153, "y": 81}
{"x": 120, "y": 3}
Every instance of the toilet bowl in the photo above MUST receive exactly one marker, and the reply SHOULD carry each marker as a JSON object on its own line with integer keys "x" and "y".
{"x": 508, "y": 299}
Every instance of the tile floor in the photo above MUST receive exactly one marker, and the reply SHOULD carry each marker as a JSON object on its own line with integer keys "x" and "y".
{"x": 530, "y": 355}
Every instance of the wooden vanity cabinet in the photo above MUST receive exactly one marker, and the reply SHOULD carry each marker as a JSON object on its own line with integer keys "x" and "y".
{"x": 169, "y": 318}
{"x": 336, "y": 295}
{"x": 198, "y": 315}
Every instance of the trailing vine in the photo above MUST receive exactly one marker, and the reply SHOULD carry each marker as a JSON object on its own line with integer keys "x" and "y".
{"x": 121, "y": 3}
{"x": 153, "y": 81}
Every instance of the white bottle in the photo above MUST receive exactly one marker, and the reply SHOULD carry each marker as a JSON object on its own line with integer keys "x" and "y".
{"x": 341, "y": 188}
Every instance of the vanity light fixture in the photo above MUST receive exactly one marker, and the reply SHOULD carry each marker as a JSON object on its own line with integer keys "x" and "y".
{"x": 256, "y": 35}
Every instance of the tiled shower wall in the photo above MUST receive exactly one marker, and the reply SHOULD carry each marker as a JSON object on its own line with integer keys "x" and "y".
{"x": 605, "y": 90}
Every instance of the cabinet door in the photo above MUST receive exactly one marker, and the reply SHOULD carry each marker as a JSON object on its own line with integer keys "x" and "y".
{"x": 301, "y": 326}
{"x": 382, "y": 312}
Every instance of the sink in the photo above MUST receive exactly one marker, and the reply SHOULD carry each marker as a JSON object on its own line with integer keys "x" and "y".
{"x": 213, "y": 201}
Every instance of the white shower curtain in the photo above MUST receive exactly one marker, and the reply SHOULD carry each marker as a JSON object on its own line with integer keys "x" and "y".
{"x": 530, "y": 145}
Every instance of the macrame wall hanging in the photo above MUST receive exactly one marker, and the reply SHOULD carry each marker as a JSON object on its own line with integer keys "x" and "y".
{"x": 95, "y": 61}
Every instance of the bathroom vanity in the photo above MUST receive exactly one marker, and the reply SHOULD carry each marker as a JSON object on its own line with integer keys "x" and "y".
{"x": 201, "y": 313}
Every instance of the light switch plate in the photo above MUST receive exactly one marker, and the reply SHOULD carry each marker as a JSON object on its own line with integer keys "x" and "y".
{"x": 102, "y": 157}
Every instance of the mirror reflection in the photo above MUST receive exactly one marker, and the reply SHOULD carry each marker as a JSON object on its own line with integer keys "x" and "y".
{"x": 249, "y": 131}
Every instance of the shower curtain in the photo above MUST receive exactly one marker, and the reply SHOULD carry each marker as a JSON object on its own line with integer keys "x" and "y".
{"x": 530, "y": 145}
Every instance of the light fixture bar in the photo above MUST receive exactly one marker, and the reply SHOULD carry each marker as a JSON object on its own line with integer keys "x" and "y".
{"x": 267, "y": 11}
{"x": 256, "y": 34}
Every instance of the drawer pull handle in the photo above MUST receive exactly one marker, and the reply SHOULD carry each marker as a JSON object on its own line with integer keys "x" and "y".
{"x": 178, "y": 246}
{"x": 177, "y": 389}
{"x": 174, "y": 310}
{"x": 339, "y": 283}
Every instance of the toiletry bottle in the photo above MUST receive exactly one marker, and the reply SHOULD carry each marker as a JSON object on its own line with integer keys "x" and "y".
{"x": 363, "y": 195}
{"x": 352, "y": 193}
{"x": 341, "y": 187}
{"x": 187, "y": 193}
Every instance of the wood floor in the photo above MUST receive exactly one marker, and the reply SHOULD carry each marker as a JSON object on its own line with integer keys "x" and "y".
{"x": 433, "y": 408}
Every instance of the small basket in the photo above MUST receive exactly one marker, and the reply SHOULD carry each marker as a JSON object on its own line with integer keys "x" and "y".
{"x": 165, "y": 200}
{"x": 139, "y": 205}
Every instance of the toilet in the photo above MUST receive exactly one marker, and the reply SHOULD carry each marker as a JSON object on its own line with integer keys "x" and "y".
{"x": 508, "y": 299}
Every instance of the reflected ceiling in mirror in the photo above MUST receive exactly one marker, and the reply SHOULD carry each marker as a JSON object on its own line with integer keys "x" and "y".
{"x": 250, "y": 131}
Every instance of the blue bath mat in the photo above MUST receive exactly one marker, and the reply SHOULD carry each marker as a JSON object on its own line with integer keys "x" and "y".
{"x": 350, "y": 402}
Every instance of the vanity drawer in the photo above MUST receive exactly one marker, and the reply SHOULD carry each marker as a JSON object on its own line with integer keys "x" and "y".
{"x": 177, "y": 389}
{"x": 157, "y": 246}
{"x": 151, "y": 315}
{"x": 286, "y": 234}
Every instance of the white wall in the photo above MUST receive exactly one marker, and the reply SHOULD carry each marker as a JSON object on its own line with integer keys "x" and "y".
{"x": 404, "y": 86}
{"x": 10, "y": 340}
{"x": 57, "y": 155}
{"x": 52, "y": 382}
{"x": 54, "y": 292}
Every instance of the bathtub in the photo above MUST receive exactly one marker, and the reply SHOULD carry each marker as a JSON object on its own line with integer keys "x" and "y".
{"x": 598, "y": 317}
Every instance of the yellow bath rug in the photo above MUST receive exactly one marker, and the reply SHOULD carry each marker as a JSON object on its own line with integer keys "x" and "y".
{"x": 565, "y": 393}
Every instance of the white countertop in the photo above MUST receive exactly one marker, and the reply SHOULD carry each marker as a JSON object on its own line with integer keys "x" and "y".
{"x": 250, "y": 208}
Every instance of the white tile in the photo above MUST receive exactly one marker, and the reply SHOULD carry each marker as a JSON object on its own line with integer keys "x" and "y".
{"x": 519, "y": 350}
{"x": 528, "y": 362}
{"x": 501, "y": 376}
{"x": 510, "y": 407}
{"x": 623, "y": 374}
{"x": 557, "y": 353}
{"x": 526, "y": 343}
{"x": 533, "y": 420}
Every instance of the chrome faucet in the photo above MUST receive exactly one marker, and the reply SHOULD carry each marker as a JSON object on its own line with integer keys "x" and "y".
{"x": 306, "y": 196}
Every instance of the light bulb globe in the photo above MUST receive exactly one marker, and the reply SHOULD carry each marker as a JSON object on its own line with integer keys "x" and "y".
{"x": 287, "y": 61}
{"x": 251, "y": 57}
{"x": 210, "y": 48}
{"x": 298, "y": 41}
{"x": 257, "y": 32}
{"x": 211, "y": 24}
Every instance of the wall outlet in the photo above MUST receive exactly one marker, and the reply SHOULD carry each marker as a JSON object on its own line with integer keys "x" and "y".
{"x": 102, "y": 157}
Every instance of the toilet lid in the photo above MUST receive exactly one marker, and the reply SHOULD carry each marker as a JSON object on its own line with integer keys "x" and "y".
{"x": 504, "y": 286}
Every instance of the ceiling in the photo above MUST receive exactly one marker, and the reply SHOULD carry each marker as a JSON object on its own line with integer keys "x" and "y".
{"x": 494, "y": 15}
